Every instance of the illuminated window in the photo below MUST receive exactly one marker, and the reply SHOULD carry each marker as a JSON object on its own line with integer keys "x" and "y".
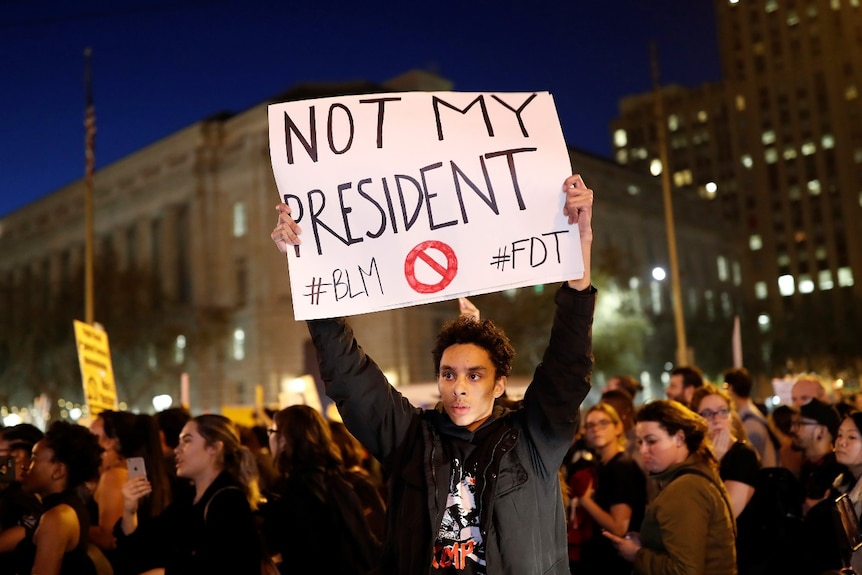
{"x": 240, "y": 225}
{"x": 622, "y": 156}
{"x": 633, "y": 190}
{"x": 820, "y": 252}
{"x": 789, "y": 153}
{"x": 682, "y": 178}
{"x": 792, "y": 18}
{"x": 740, "y": 103}
{"x": 783, "y": 260}
{"x": 770, "y": 155}
{"x": 771, "y": 6}
{"x": 655, "y": 167}
{"x": 824, "y": 280}
{"x": 851, "y": 93}
{"x": 673, "y": 122}
{"x": 857, "y": 155}
{"x": 827, "y": 142}
{"x": 755, "y": 242}
{"x": 655, "y": 296}
{"x": 806, "y": 284}
{"x": 747, "y": 161}
{"x": 786, "y": 285}
{"x": 702, "y": 116}
{"x": 737, "y": 273}
{"x": 768, "y": 137}
{"x": 726, "y": 304}
{"x": 708, "y": 190}
{"x": 238, "y": 344}
{"x": 721, "y": 264}
{"x": 845, "y": 277}
{"x": 763, "y": 322}
{"x": 760, "y": 290}
{"x": 180, "y": 349}
{"x": 814, "y": 187}
{"x": 620, "y": 138}
{"x": 808, "y": 148}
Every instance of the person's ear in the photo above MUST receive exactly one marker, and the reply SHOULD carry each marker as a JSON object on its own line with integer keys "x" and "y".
{"x": 500, "y": 386}
{"x": 679, "y": 438}
{"x": 215, "y": 448}
{"x": 60, "y": 471}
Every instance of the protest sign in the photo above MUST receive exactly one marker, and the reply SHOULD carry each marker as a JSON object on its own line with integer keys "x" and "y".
{"x": 97, "y": 372}
{"x": 416, "y": 197}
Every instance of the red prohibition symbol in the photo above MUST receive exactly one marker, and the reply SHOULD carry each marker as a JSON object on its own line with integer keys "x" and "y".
{"x": 447, "y": 273}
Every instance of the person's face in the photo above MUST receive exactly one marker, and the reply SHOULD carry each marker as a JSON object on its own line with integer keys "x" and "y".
{"x": 194, "y": 457}
{"x": 659, "y": 449}
{"x": 716, "y": 412}
{"x": 803, "y": 391}
{"x": 108, "y": 444}
{"x": 805, "y": 432}
{"x": 467, "y": 385}
{"x": 275, "y": 440}
{"x": 600, "y": 429}
{"x": 848, "y": 446}
{"x": 42, "y": 471}
{"x": 675, "y": 390}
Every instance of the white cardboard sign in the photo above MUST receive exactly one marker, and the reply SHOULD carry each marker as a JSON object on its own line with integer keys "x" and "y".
{"x": 417, "y": 197}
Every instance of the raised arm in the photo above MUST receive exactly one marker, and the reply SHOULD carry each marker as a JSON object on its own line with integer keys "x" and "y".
{"x": 579, "y": 209}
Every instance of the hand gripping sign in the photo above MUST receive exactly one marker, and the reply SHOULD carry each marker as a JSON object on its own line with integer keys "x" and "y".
{"x": 416, "y": 197}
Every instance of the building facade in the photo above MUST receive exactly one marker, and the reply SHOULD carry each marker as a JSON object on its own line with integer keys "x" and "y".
{"x": 189, "y": 283}
{"x": 776, "y": 148}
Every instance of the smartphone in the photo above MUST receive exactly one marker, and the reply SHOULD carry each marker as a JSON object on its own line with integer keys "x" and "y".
{"x": 136, "y": 467}
{"x": 7, "y": 469}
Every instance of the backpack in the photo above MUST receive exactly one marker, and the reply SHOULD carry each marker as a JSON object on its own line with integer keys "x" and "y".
{"x": 770, "y": 527}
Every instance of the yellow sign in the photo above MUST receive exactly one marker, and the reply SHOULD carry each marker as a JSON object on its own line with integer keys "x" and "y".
{"x": 97, "y": 373}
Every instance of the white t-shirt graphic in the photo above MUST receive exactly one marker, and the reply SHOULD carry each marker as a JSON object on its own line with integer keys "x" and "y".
{"x": 459, "y": 547}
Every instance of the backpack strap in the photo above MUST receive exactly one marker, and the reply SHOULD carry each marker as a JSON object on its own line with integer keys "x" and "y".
{"x": 776, "y": 443}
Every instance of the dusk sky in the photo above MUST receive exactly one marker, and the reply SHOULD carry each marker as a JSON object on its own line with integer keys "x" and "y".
{"x": 161, "y": 65}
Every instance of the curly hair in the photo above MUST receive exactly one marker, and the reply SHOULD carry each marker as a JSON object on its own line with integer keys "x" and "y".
{"x": 483, "y": 333}
{"x": 673, "y": 416}
{"x": 77, "y": 448}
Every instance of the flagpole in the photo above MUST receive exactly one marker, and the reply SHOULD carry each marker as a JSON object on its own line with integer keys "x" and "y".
{"x": 90, "y": 160}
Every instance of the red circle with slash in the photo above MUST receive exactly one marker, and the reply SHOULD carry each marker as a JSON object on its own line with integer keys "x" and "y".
{"x": 447, "y": 272}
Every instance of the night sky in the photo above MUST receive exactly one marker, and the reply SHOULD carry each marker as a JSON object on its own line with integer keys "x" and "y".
{"x": 161, "y": 65}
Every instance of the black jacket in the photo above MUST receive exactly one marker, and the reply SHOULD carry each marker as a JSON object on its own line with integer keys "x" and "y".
{"x": 520, "y": 451}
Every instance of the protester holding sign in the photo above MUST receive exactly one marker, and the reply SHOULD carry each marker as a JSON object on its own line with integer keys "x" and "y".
{"x": 474, "y": 488}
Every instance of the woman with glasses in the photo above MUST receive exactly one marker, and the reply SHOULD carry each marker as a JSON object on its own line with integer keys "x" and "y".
{"x": 617, "y": 499}
{"x": 688, "y": 526}
{"x": 738, "y": 461}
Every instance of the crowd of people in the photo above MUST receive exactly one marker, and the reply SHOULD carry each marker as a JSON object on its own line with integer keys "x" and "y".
{"x": 703, "y": 482}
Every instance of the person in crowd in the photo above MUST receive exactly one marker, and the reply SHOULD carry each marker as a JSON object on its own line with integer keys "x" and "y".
{"x": 688, "y": 527}
{"x": 815, "y": 429}
{"x": 622, "y": 402}
{"x": 624, "y": 382}
{"x": 808, "y": 386}
{"x": 471, "y": 486}
{"x": 683, "y": 381}
{"x": 123, "y": 434}
{"x": 848, "y": 452}
{"x": 578, "y": 473}
{"x": 63, "y": 460}
{"x": 256, "y": 439}
{"x": 738, "y": 382}
{"x": 781, "y": 420}
{"x": 317, "y": 496}
{"x": 214, "y": 530}
{"x": 356, "y": 460}
{"x": 19, "y": 509}
{"x": 617, "y": 499}
{"x": 170, "y": 422}
{"x": 738, "y": 461}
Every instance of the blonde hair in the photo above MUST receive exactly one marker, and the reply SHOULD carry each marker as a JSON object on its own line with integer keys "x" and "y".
{"x": 235, "y": 458}
{"x": 609, "y": 410}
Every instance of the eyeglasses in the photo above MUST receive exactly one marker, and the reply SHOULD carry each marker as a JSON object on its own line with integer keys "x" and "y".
{"x": 709, "y": 414}
{"x": 271, "y": 430}
{"x": 598, "y": 424}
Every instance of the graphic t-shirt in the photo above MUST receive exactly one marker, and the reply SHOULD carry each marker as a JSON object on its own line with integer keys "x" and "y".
{"x": 459, "y": 547}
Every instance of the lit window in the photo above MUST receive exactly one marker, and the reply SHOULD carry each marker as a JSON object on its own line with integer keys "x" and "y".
{"x": 789, "y": 153}
{"x": 240, "y": 225}
{"x": 747, "y": 161}
{"x": 836, "y": 4}
{"x": 786, "y": 285}
{"x": 770, "y": 155}
{"x": 768, "y": 137}
{"x": 806, "y": 284}
{"x": 655, "y": 296}
{"x": 760, "y": 290}
{"x": 238, "y": 344}
{"x": 180, "y": 349}
{"x": 673, "y": 122}
{"x": 620, "y": 138}
{"x": 820, "y": 252}
{"x": 737, "y": 273}
{"x": 792, "y": 19}
{"x": 814, "y": 187}
{"x": 622, "y": 156}
{"x": 721, "y": 264}
{"x": 827, "y": 141}
{"x": 857, "y": 155}
{"x": 824, "y": 280}
{"x": 633, "y": 190}
{"x": 634, "y": 283}
{"x": 763, "y": 322}
{"x": 755, "y": 242}
{"x": 771, "y": 6}
{"x": 845, "y": 277}
{"x": 702, "y": 116}
{"x": 783, "y": 260}
{"x": 808, "y": 148}
{"x": 655, "y": 167}
{"x": 682, "y": 178}
{"x": 851, "y": 93}
{"x": 793, "y": 193}
{"x": 740, "y": 103}
{"x": 708, "y": 190}
{"x": 726, "y": 304}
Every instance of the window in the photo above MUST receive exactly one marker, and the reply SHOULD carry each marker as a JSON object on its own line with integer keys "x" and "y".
{"x": 240, "y": 224}
{"x": 806, "y": 284}
{"x": 786, "y": 285}
{"x": 760, "y": 290}
{"x": 824, "y": 280}
{"x": 763, "y": 322}
{"x": 845, "y": 277}
{"x": 755, "y": 242}
{"x": 748, "y": 162}
{"x": 620, "y": 138}
{"x": 655, "y": 296}
{"x": 238, "y": 344}
{"x": 180, "y": 349}
{"x": 721, "y": 264}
